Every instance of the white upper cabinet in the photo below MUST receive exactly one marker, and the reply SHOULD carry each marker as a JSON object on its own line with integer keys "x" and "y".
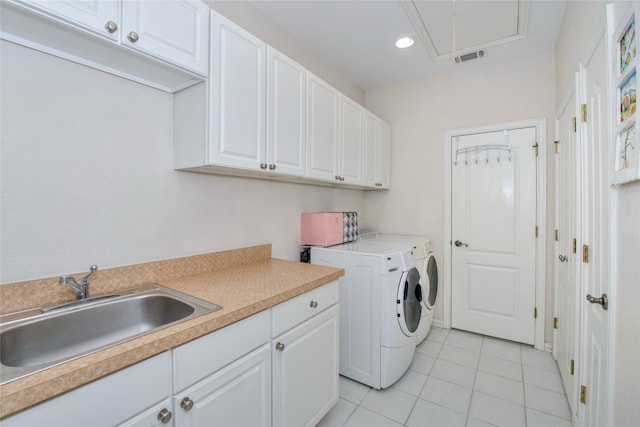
{"x": 175, "y": 30}
{"x": 350, "y": 152}
{"x": 286, "y": 108}
{"x": 100, "y": 17}
{"x": 377, "y": 138}
{"x": 322, "y": 129}
{"x": 384, "y": 156}
{"x": 162, "y": 44}
{"x": 237, "y": 84}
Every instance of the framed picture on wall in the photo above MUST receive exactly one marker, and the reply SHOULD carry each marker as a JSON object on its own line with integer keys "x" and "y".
{"x": 625, "y": 147}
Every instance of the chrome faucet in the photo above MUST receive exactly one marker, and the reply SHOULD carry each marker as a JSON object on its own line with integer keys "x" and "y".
{"x": 81, "y": 287}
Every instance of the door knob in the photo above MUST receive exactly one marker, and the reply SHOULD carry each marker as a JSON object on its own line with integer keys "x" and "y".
{"x": 458, "y": 243}
{"x": 563, "y": 258}
{"x": 603, "y": 301}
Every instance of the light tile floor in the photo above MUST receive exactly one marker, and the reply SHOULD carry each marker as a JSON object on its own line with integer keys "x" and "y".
{"x": 461, "y": 379}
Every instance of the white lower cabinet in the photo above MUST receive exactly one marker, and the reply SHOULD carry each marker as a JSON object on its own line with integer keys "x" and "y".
{"x": 237, "y": 395}
{"x": 160, "y": 415}
{"x": 305, "y": 371}
{"x": 108, "y": 401}
{"x": 276, "y": 368}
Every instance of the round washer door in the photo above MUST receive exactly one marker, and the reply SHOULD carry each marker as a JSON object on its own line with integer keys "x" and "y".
{"x": 429, "y": 275}
{"x": 409, "y": 301}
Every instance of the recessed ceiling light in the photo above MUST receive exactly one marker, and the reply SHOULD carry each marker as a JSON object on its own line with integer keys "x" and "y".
{"x": 404, "y": 42}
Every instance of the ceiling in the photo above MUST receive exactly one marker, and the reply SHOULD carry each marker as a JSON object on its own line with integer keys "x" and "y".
{"x": 358, "y": 36}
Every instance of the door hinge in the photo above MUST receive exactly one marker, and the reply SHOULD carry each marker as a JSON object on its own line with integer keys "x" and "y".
{"x": 572, "y": 366}
{"x": 583, "y": 112}
{"x": 535, "y": 312}
{"x": 557, "y": 235}
{"x": 556, "y": 145}
{"x": 585, "y": 253}
{"x": 536, "y": 231}
{"x": 555, "y": 323}
{"x": 574, "y": 125}
{"x": 535, "y": 147}
{"x": 575, "y": 244}
{"x": 583, "y": 394}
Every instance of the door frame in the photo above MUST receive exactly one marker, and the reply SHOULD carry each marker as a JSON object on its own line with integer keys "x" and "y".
{"x": 541, "y": 214}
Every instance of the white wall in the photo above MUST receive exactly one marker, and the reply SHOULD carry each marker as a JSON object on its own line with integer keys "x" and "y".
{"x": 87, "y": 178}
{"x": 477, "y": 93}
{"x": 583, "y": 24}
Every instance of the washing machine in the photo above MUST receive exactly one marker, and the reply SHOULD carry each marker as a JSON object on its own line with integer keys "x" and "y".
{"x": 427, "y": 267}
{"x": 380, "y": 309}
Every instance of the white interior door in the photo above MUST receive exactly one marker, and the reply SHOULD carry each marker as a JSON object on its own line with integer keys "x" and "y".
{"x": 566, "y": 337}
{"x": 595, "y": 233}
{"x": 493, "y": 253}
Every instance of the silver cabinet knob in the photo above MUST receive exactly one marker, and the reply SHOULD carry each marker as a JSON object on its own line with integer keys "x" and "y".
{"x": 563, "y": 258}
{"x": 337, "y": 178}
{"x": 186, "y": 404}
{"x": 313, "y": 304}
{"x": 280, "y": 346}
{"x": 263, "y": 166}
{"x": 458, "y": 243}
{"x": 111, "y": 27}
{"x": 164, "y": 416}
{"x": 272, "y": 167}
{"x": 133, "y": 37}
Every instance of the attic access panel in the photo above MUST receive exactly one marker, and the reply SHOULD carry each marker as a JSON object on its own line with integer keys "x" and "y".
{"x": 478, "y": 24}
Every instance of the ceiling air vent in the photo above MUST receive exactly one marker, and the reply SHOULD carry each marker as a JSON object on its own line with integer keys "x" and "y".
{"x": 472, "y": 55}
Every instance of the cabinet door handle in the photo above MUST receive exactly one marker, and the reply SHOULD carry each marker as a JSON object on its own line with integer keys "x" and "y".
{"x": 133, "y": 37}
{"x": 263, "y": 166}
{"x": 313, "y": 304}
{"x": 111, "y": 27}
{"x": 272, "y": 167}
{"x": 563, "y": 258}
{"x": 164, "y": 416}
{"x": 279, "y": 346}
{"x": 186, "y": 404}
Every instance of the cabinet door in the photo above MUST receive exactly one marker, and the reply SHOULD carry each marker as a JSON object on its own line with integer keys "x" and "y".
{"x": 322, "y": 129}
{"x": 286, "y": 138}
{"x": 237, "y": 395}
{"x": 161, "y": 415}
{"x": 91, "y": 15}
{"x": 176, "y": 31}
{"x": 384, "y": 155}
{"x": 351, "y": 141}
{"x": 305, "y": 371}
{"x": 370, "y": 157}
{"x": 237, "y": 96}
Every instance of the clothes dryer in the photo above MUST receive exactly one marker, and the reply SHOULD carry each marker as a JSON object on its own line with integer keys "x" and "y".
{"x": 420, "y": 247}
{"x": 380, "y": 309}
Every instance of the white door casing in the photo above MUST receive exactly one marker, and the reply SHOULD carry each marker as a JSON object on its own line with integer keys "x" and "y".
{"x": 493, "y": 229}
{"x": 595, "y": 231}
{"x": 566, "y": 288}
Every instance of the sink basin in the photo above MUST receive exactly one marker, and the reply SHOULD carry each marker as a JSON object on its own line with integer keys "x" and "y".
{"x": 42, "y": 338}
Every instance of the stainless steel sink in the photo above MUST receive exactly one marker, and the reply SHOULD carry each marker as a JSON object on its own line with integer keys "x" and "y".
{"x": 40, "y": 338}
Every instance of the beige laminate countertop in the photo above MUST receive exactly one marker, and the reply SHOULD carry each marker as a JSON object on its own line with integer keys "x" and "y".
{"x": 241, "y": 291}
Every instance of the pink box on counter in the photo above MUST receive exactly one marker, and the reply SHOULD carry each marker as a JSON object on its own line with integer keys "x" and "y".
{"x": 328, "y": 228}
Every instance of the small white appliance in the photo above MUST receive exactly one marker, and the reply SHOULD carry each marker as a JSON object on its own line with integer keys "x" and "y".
{"x": 380, "y": 308}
